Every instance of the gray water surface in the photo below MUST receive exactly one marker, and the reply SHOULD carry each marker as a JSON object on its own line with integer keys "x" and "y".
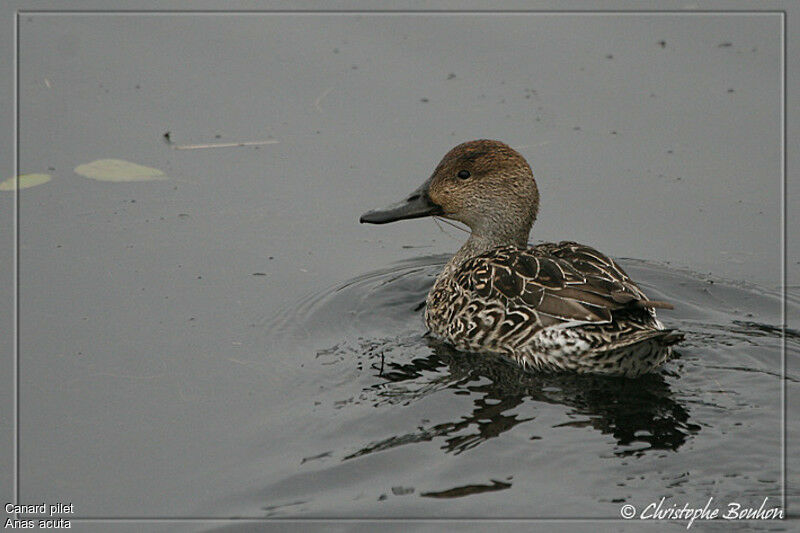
{"x": 231, "y": 342}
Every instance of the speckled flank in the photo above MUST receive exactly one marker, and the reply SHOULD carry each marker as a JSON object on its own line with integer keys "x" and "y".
{"x": 557, "y": 307}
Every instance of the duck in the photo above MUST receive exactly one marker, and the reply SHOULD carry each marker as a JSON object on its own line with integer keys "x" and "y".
{"x": 552, "y": 307}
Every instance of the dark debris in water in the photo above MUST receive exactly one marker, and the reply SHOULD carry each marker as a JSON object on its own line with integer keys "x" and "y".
{"x": 316, "y": 457}
{"x": 467, "y": 490}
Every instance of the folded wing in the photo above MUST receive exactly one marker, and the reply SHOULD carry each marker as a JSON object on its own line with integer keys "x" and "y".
{"x": 554, "y": 284}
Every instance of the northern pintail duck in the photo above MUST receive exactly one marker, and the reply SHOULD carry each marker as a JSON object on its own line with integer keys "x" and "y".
{"x": 561, "y": 306}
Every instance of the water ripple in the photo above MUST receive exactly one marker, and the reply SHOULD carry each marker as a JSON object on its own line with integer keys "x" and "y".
{"x": 397, "y": 391}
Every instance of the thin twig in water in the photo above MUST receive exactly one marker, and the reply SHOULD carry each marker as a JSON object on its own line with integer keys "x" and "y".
{"x": 438, "y": 219}
{"x": 224, "y": 145}
{"x": 321, "y": 97}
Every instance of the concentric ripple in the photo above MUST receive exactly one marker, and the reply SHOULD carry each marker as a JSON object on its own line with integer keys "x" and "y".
{"x": 470, "y": 424}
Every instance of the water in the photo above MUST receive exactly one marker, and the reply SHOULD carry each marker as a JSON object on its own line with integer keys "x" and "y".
{"x": 399, "y": 425}
{"x": 230, "y": 342}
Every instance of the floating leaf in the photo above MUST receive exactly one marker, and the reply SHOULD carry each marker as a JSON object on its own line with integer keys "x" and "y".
{"x": 118, "y": 170}
{"x": 25, "y": 181}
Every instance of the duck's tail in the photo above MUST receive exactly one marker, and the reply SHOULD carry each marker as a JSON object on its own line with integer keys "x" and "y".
{"x": 671, "y": 336}
{"x": 654, "y": 304}
{"x": 635, "y": 354}
{"x": 662, "y": 337}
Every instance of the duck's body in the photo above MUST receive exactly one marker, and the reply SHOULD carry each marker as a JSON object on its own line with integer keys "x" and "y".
{"x": 555, "y": 306}
{"x": 561, "y": 306}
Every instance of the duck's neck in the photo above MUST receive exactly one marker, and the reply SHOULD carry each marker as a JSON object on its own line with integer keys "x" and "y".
{"x": 481, "y": 242}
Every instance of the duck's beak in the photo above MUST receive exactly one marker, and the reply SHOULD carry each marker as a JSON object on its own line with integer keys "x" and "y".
{"x": 418, "y": 204}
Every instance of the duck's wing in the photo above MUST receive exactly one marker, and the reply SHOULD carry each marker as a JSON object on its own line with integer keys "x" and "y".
{"x": 555, "y": 283}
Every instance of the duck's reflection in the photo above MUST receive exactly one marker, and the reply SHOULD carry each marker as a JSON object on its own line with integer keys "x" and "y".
{"x": 641, "y": 414}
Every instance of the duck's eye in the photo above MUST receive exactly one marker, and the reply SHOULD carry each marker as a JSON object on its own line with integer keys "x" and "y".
{"x": 464, "y": 174}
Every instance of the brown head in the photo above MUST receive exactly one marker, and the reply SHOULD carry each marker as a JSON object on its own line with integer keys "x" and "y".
{"x": 485, "y": 184}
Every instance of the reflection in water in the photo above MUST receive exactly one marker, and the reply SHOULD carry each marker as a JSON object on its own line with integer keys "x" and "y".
{"x": 372, "y": 356}
{"x": 638, "y": 410}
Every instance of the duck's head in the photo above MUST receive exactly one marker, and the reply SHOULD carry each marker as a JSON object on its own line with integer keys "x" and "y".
{"x": 485, "y": 184}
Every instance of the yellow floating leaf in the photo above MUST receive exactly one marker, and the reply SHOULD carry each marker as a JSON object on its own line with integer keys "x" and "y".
{"x": 25, "y": 181}
{"x": 118, "y": 170}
